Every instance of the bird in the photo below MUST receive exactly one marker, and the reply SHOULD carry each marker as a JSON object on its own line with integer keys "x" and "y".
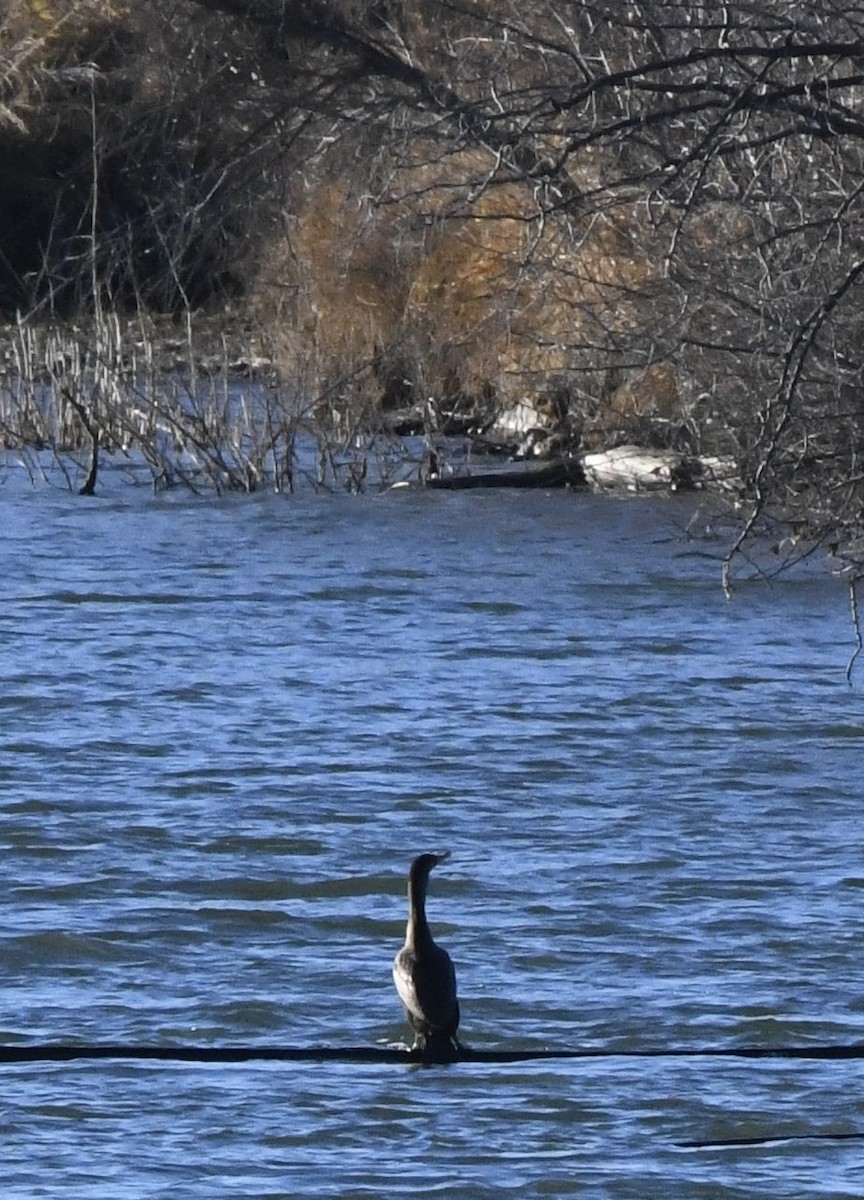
{"x": 423, "y": 971}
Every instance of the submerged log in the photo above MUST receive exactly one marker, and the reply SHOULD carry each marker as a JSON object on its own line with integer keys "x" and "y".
{"x": 567, "y": 472}
{"x": 89, "y": 486}
{"x": 73, "y": 1052}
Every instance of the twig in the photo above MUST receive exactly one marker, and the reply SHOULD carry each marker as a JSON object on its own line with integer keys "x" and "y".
{"x": 89, "y": 486}
{"x": 856, "y": 624}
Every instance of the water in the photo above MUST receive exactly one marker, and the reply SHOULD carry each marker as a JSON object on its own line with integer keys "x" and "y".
{"x": 226, "y": 726}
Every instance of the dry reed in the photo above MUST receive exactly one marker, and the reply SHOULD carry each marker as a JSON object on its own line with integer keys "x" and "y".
{"x": 204, "y": 421}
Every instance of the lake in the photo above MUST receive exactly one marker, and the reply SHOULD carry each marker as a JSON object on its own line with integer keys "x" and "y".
{"x": 229, "y": 724}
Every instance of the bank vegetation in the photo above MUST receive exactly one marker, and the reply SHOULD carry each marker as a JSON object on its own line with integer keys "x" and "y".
{"x": 629, "y": 223}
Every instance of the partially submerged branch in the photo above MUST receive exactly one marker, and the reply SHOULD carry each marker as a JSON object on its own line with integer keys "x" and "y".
{"x": 854, "y": 581}
{"x": 88, "y": 488}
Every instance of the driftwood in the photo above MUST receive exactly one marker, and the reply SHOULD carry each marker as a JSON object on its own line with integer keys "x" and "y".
{"x": 566, "y": 473}
{"x": 634, "y": 468}
{"x": 621, "y": 469}
{"x": 641, "y": 469}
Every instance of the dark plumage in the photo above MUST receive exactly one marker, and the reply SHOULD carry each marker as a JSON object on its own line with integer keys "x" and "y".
{"x": 423, "y": 973}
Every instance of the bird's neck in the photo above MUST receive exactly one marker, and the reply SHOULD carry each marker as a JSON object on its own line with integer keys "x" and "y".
{"x": 417, "y": 935}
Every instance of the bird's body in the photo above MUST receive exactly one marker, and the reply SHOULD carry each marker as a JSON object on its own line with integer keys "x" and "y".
{"x": 422, "y": 971}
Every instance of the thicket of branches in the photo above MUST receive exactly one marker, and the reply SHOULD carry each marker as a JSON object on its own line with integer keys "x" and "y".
{"x": 686, "y": 181}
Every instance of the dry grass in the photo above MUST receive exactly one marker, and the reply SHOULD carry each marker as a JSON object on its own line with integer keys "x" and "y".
{"x": 426, "y": 288}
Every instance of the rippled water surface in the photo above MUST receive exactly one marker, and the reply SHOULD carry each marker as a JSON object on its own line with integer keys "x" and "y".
{"x": 227, "y": 726}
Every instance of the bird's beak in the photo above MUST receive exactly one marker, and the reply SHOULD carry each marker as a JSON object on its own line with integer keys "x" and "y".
{"x": 442, "y": 857}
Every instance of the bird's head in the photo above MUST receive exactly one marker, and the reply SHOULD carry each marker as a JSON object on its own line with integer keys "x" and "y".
{"x": 423, "y": 864}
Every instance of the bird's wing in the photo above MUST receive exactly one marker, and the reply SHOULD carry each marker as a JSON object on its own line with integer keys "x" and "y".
{"x": 403, "y": 976}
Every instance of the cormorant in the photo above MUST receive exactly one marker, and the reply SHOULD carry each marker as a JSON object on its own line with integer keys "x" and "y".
{"x": 423, "y": 973}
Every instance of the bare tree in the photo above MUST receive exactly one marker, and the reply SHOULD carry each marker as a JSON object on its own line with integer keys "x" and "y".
{"x": 651, "y": 209}
{"x": 689, "y": 178}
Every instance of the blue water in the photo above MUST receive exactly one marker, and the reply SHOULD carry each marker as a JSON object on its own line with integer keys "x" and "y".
{"x": 226, "y": 727}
